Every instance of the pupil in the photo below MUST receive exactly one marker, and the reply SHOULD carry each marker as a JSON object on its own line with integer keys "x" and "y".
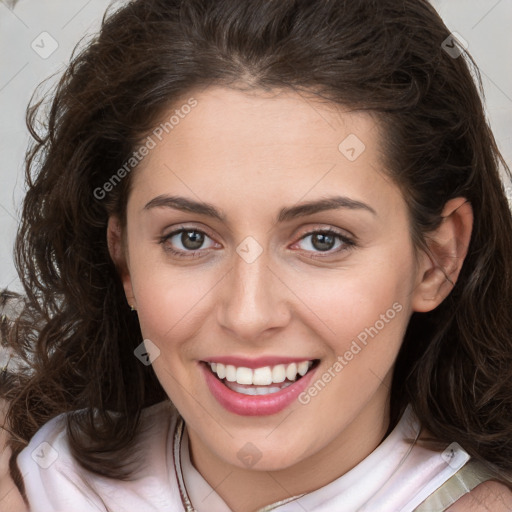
{"x": 192, "y": 239}
{"x": 323, "y": 242}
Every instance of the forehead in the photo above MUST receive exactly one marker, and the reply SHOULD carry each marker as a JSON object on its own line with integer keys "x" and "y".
{"x": 274, "y": 120}
{"x": 261, "y": 143}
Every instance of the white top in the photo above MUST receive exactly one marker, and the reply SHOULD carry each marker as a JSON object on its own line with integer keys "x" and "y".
{"x": 396, "y": 477}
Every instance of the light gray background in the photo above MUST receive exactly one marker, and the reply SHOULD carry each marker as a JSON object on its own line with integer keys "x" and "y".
{"x": 484, "y": 24}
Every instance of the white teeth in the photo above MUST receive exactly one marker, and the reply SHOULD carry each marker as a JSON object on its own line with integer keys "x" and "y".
{"x": 267, "y": 390}
{"x": 220, "y": 370}
{"x": 244, "y": 375}
{"x": 230, "y": 373}
{"x": 303, "y": 368}
{"x": 291, "y": 371}
{"x": 263, "y": 376}
{"x": 279, "y": 373}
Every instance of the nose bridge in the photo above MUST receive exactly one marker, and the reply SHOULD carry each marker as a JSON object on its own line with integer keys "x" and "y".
{"x": 252, "y": 301}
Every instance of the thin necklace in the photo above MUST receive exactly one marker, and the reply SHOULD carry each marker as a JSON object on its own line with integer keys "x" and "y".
{"x": 178, "y": 436}
{"x": 185, "y": 499}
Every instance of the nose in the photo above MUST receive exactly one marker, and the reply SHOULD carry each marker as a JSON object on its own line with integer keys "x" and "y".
{"x": 253, "y": 302}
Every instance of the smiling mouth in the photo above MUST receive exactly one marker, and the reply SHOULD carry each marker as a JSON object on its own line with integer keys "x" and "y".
{"x": 260, "y": 381}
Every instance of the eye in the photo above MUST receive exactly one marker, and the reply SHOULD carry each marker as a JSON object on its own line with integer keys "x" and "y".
{"x": 325, "y": 241}
{"x": 187, "y": 240}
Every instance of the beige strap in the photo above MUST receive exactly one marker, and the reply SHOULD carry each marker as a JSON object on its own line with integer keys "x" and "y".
{"x": 466, "y": 479}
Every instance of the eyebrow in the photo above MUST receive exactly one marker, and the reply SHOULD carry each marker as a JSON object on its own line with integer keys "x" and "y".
{"x": 285, "y": 214}
{"x": 329, "y": 203}
{"x": 185, "y": 205}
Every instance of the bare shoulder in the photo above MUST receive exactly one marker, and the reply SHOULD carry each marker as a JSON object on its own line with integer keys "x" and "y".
{"x": 487, "y": 497}
{"x": 10, "y": 497}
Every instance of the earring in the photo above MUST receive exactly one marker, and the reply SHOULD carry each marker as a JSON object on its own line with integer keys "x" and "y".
{"x": 132, "y": 308}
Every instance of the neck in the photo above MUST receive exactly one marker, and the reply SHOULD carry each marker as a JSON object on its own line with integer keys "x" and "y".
{"x": 245, "y": 489}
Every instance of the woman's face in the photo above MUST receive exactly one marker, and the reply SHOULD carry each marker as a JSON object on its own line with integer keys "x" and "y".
{"x": 264, "y": 237}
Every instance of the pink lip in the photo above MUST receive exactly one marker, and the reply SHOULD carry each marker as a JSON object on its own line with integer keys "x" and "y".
{"x": 258, "y": 362}
{"x": 259, "y": 405}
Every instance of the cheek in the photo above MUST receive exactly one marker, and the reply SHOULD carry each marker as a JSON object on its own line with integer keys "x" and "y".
{"x": 356, "y": 300}
{"x": 367, "y": 316}
{"x": 169, "y": 302}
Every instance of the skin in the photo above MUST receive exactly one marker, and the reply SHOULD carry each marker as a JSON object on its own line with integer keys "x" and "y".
{"x": 10, "y": 497}
{"x": 250, "y": 154}
{"x": 487, "y": 497}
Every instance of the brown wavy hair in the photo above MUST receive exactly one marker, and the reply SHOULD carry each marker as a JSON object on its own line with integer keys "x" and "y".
{"x": 387, "y": 57}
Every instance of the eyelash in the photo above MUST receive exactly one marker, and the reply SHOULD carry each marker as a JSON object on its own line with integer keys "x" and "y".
{"x": 179, "y": 253}
{"x": 347, "y": 242}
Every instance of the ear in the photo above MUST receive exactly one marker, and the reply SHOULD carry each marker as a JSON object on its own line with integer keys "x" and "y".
{"x": 447, "y": 246}
{"x": 119, "y": 256}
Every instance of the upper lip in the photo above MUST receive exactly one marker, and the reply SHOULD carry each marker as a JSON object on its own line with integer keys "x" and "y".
{"x": 258, "y": 362}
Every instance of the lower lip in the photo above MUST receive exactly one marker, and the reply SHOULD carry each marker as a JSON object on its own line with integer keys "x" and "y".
{"x": 259, "y": 405}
